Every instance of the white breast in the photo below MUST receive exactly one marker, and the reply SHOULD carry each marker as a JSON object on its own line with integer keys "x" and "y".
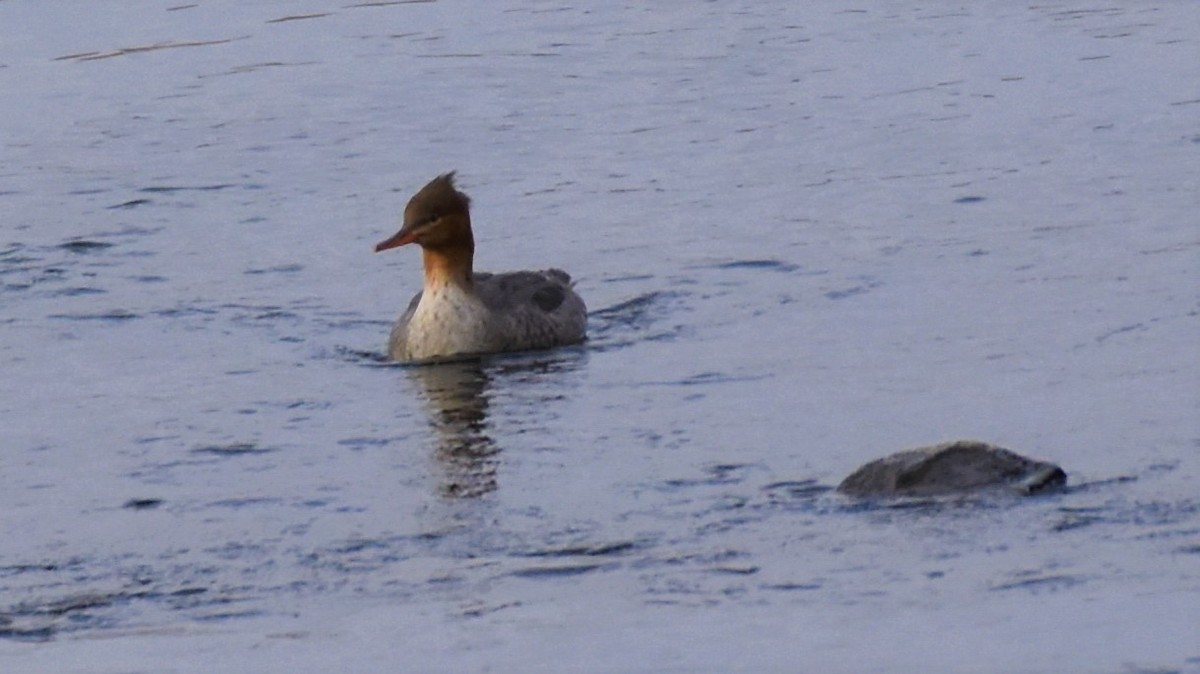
{"x": 448, "y": 320}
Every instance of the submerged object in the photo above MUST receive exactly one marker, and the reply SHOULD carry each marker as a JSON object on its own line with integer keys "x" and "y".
{"x": 461, "y": 312}
{"x": 950, "y": 468}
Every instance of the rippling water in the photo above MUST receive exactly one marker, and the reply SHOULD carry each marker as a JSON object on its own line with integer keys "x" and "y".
{"x": 810, "y": 234}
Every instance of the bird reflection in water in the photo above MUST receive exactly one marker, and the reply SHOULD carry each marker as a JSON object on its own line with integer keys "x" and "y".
{"x": 456, "y": 393}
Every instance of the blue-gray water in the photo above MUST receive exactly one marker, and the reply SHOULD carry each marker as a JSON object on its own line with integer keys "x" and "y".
{"x": 810, "y": 234}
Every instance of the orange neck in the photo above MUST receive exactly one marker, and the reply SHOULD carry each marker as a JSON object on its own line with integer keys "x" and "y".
{"x": 448, "y": 265}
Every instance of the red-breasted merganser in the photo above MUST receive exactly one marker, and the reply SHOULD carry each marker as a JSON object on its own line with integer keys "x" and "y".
{"x": 462, "y": 312}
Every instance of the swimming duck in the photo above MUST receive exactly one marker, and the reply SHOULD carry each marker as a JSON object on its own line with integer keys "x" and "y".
{"x": 460, "y": 311}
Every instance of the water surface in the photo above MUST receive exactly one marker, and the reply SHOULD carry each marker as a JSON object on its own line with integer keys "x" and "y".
{"x": 810, "y": 235}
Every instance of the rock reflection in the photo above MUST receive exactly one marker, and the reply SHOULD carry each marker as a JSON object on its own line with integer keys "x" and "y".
{"x": 458, "y": 410}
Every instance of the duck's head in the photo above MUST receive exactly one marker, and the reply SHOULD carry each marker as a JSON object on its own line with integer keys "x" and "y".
{"x": 436, "y": 218}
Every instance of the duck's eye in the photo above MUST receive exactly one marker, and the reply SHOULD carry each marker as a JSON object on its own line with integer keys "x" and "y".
{"x": 433, "y": 217}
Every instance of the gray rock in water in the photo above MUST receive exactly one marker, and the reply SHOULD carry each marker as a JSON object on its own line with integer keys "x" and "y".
{"x": 949, "y": 468}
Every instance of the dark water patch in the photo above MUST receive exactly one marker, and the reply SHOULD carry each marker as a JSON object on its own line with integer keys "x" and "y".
{"x": 96, "y": 56}
{"x": 298, "y": 17}
{"x": 84, "y": 246}
{"x": 533, "y": 366}
{"x": 195, "y": 599}
{"x": 711, "y": 559}
{"x": 735, "y": 569}
{"x": 71, "y": 564}
{"x": 476, "y": 480}
{"x": 170, "y": 189}
{"x": 629, "y": 277}
{"x": 796, "y": 489}
{"x": 132, "y": 203}
{"x": 234, "y": 449}
{"x": 261, "y": 65}
{"x": 181, "y": 312}
{"x": 246, "y": 502}
{"x": 29, "y": 273}
{"x": 358, "y": 545}
{"x": 161, "y": 473}
{"x": 142, "y": 503}
{"x": 9, "y": 254}
{"x": 299, "y": 404}
{"x": 1099, "y": 485}
{"x": 1077, "y": 518}
{"x": 279, "y": 269}
{"x": 80, "y": 602}
{"x": 1036, "y": 583}
{"x": 389, "y": 3}
{"x": 969, "y": 200}
{"x": 715, "y": 475}
{"x": 669, "y": 335}
{"x": 75, "y": 292}
{"x": 1134, "y": 327}
{"x": 1159, "y": 513}
{"x": 362, "y": 356}
{"x": 726, "y": 524}
{"x": 363, "y": 555}
{"x": 559, "y": 571}
{"x": 905, "y": 509}
{"x": 116, "y": 315}
{"x": 593, "y": 550}
{"x": 633, "y": 310}
{"x": 477, "y": 611}
{"x": 1134, "y": 668}
{"x": 1168, "y": 466}
{"x": 1175, "y": 248}
{"x": 41, "y": 620}
{"x": 866, "y": 285}
{"x": 705, "y": 378}
{"x": 335, "y": 318}
{"x": 236, "y": 550}
{"x": 634, "y": 320}
{"x": 792, "y": 587}
{"x": 1155, "y": 518}
{"x": 267, "y": 314}
{"x": 226, "y": 616}
{"x": 758, "y": 264}
{"x": 363, "y": 443}
{"x": 31, "y": 633}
